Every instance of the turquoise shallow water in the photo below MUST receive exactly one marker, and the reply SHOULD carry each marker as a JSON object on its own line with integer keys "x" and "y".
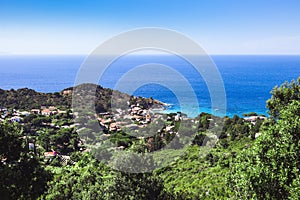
{"x": 248, "y": 80}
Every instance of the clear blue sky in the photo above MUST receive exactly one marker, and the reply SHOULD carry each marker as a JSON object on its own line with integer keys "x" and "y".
{"x": 220, "y": 26}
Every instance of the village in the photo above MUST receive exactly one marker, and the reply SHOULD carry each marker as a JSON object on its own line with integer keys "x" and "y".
{"x": 58, "y": 120}
{"x": 52, "y": 132}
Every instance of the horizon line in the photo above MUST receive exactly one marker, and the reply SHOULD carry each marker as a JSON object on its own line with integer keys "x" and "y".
{"x": 215, "y": 54}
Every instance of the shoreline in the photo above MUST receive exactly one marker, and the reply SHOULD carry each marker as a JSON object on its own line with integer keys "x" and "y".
{"x": 165, "y": 107}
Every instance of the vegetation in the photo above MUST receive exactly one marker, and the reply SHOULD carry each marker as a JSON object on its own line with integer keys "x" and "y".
{"x": 22, "y": 175}
{"x": 28, "y": 99}
{"x": 282, "y": 96}
{"x": 270, "y": 168}
{"x": 229, "y": 158}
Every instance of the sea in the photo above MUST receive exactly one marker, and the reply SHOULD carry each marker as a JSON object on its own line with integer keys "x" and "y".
{"x": 247, "y": 79}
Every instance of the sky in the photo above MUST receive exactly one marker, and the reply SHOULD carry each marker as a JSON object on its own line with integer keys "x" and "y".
{"x": 219, "y": 26}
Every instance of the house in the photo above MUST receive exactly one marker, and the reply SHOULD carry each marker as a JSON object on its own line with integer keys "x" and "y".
{"x": 177, "y": 118}
{"x": 52, "y": 108}
{"x": 24, "y": 113}
{"x": 148, "y": 118}
{"x": 114, "y": 127}
{"x": 169, "y": 128}
{"x": 46, "y": 112}
{"x": 16, "y": 119}
{"x": 3, "y": 109}
{"x": 50, "y": 154}
{"x": 106, "y": 121}
{"x": 250, "y": 119}
{"x": 16, "y": 113}
{"x": 136, "y": 110}
{"x": 61, "y": 111}
{"x": 35, "y": 111}
{"x": 31, "y": 146}
{"x": 253, "y": 119}
{"x": 67, "y": 92}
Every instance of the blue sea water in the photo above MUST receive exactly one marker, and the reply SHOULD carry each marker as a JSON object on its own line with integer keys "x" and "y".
{"x": 248, "y": 80}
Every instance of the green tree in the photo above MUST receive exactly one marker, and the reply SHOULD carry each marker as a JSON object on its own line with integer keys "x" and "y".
{"x": 270, "y": 168}
{"x": 44, "y": 138}
{"x": 10, "y": 144}
{"x": 40, "y": 120}
{"x": 65, "y": 140}
{"x": 282, "y": 96}
{"x": 141, "y": 183}
{"x": 22, "y": 176}
{"x": 137, "y": 186}
{"x": 84, "y": 180}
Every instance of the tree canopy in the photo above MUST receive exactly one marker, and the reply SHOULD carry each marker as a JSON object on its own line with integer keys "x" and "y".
{"x": 282, "y": 96}
{"x": 22, "y": 176}
{"x": 270, "y": 168}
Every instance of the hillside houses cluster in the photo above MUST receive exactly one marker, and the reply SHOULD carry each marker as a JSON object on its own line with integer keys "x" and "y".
{"x": 107, "y": 121}
{"x": 140, "y": 115}
{"x": 136, "y": 116}
{"x": 14, "y": 115}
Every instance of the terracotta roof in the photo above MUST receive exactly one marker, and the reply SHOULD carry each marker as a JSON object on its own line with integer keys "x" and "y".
{"x": 53, "y": 153}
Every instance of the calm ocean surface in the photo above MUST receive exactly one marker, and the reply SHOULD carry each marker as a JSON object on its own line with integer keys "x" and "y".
{"x": 248, "y": 80}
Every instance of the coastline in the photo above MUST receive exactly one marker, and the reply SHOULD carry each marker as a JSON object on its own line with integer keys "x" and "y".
{"x": 247, "y": 79}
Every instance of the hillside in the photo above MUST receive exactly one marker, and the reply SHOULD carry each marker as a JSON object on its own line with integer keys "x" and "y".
{"x": 26, "y": 99}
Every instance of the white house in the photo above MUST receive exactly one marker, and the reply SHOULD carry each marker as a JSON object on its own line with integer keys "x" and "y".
{"x": 16, "y": 119}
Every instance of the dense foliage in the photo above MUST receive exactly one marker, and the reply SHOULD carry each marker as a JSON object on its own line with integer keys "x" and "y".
{"x": 270, "y": 168}
{"x": 22, "y": 176}
{"x": 282, "y": 96}
{"x": 28, "y": 99}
